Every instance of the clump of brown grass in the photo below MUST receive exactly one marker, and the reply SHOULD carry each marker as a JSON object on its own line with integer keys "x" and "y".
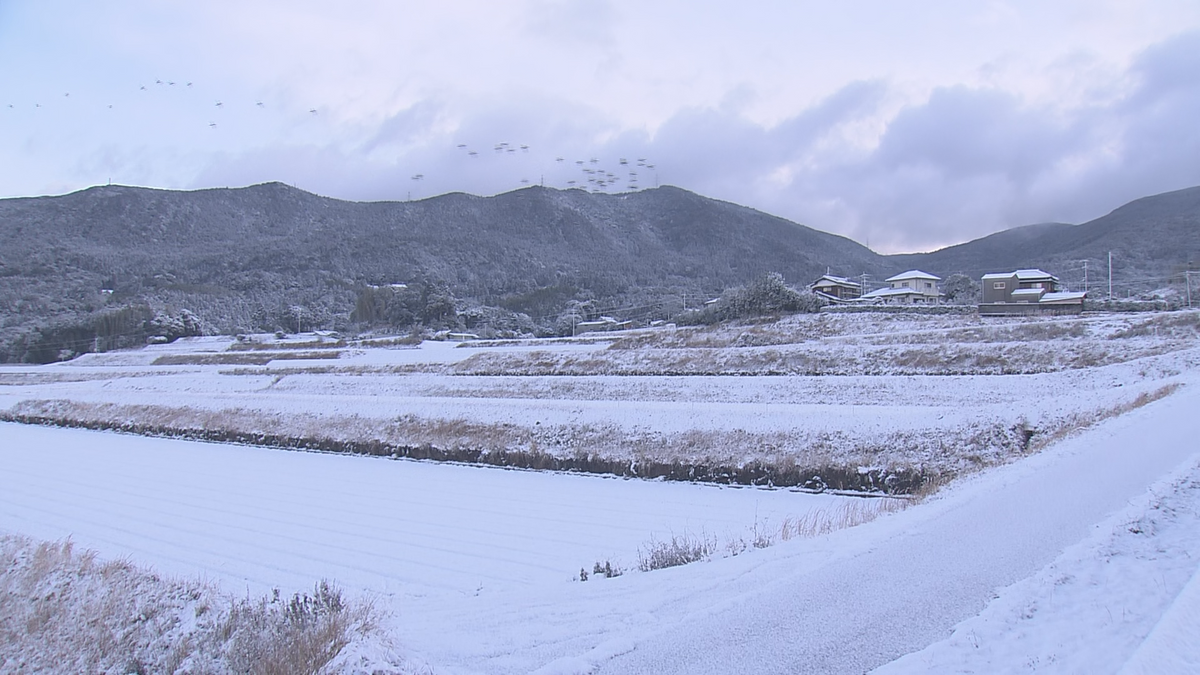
{"x": 680, "y": 549}
{"x": 63, "y": 610}
{"x": 241, "y": 358}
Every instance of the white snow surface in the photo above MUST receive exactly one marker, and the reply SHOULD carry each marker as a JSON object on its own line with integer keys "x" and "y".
{"x": 477, "y": 563}
{"x": 478, "y": 566}
{"x": 1096, "y": 603}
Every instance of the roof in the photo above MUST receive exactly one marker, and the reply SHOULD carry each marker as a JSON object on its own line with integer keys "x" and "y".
{"x": 1063, "y": 297}
{"x": 1031, "y": 293}
{"x": 891, "y": 292}
{"x": 1030, "y": 275}
{"x": 912, "y": 274}
{"x": 841, "y": 281}
{"x": 1023, "y": 275}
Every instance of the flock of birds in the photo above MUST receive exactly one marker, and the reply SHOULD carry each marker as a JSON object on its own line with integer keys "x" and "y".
{"x": 217, "y": 104}
{"x": 592, "y": 175}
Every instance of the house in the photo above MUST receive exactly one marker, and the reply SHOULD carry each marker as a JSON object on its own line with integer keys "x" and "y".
{"x": 913, "y": 287}
{"x": 604, "y": 323}
{"x": 1027, "y": 291}
{"x": 836, "y": 288}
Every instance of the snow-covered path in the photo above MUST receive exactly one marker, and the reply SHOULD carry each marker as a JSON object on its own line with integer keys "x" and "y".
{"x": 934, "y": 566}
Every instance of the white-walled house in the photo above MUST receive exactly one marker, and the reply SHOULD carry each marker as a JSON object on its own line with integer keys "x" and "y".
{"x": 913, "y": 287}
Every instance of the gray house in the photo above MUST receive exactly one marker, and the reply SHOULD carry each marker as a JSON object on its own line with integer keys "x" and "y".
{"x": 1029, "y": 291}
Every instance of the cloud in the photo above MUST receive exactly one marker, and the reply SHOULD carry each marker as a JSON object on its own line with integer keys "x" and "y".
{"x": 959, "y": 163}
{"x": 572, "y": 22}
{"x": 847, "y": 131}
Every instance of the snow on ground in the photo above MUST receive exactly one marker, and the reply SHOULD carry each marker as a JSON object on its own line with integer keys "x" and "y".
{"x": 1091, "y": 608}
{"x": 937, "y": 422}
{"x": 477, "y": 564}
{"x": 403, "y": 528}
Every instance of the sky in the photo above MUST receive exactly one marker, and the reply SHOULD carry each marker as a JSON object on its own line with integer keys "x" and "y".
{"x": 905, "y": 126}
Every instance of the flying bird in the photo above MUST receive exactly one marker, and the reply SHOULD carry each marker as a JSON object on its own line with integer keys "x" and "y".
{"x": 212, "y": 125}
{"x": 313, "y": 111}
{"x": 418, "y": 176}
{"x": 259, "y": 104}
{"x": 220, "y": 104}
{"x": 462, "y": 145}
{"x": 473, "y": 153}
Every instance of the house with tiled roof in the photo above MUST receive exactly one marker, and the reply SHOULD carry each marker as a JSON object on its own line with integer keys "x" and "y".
{"x": 1027, "y": 291}
{"x": 913, "y": 287}
{"x": 836, "y": 288}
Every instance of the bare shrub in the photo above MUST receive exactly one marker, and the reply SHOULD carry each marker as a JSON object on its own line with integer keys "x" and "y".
{"x": 300, "y": 635}
{"x": 607, "y": 570}
{"x": 678, "y": 550}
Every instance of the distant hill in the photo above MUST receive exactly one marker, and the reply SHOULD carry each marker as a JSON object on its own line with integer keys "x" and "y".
{"x": 1151, "y": 239}
{"x": 272, "y": 256}
{"x": 242, "y": 258}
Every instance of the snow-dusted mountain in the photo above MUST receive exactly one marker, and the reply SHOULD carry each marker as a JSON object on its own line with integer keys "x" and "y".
{"x": 270, "y": 256}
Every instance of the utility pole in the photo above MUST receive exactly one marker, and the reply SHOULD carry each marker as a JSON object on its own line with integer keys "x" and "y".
{"x": 1187, "y": 275}
{"x": 1110, "y": 276}
{"x": 1085, "y": 278}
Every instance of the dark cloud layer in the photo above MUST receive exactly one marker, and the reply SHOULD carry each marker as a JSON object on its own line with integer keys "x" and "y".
{"x": 965, "y": 162}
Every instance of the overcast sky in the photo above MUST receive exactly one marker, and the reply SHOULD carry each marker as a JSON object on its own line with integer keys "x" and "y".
{"x": 904, "y": 125}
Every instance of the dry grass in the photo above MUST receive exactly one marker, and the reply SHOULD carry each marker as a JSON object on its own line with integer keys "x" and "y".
{"x": 1177, "y": 325}
{"x": 65, "y": 611}
{"x": 678, "y": 550}
{"x": 240, "y": 358}
{"x": 1078, "y": 422}
{"x": 685, "y": 549}
{"x": 263, "y": 346}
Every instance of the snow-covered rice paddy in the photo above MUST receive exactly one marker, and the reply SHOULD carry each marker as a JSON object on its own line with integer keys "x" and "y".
{"x": 480, "y": 566}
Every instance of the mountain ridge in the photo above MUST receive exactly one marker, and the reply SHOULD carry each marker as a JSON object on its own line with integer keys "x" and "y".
{"x": 243, "y": 258}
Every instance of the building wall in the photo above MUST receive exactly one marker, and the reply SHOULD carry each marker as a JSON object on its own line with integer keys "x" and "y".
{"x": 1029, "y": 309}
{"x": 991, "y": 294}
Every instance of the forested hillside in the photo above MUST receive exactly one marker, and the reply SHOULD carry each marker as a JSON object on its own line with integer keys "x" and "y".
{"x": 111, "y": 266}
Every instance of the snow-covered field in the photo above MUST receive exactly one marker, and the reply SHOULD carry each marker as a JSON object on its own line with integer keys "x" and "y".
{"x": 479, "y": 567}
{"x": 927, "y": 395}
